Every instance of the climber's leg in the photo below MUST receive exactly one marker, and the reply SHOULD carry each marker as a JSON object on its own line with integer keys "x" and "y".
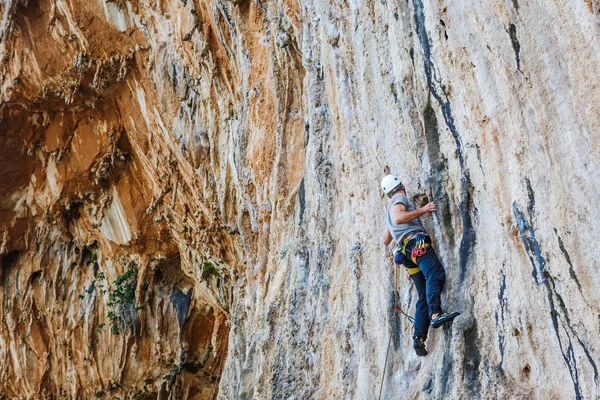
{"x": 432, "y": 269}
{"x": 421, "y": 313}
{"x": 421, "y": 322}
{"x": 435, "y": 278}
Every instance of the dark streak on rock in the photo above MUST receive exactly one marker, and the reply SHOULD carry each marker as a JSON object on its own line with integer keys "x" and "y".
{"x": 181, "y": 302}
{"x": 563, "y": 307}
{"x": 512, "y": 32}
{"x": 502, "y": 295}
{"x": 223, "y": 11}
{"x": 174, "y": 77}
{"x": 472, "y": 361}
{"x": 394, "y": 92}
{"x": 531, "y": 245}
{"x": 307, "y": 130}
{"x": 445, "y": 31}
{"x": 503, "y": 303}
{"x": 429, "y": 387}
{"x": 447, "y": 363}
{"x": 466, "y": 202}
{"x": 533, "y": 250}
{"x": 516, "y": 5}
{"x": 498, "y": 371}
{"x": 438, "y": 173}
{"x": 227, "y": 16}
{"x": 302, "y": 199}
{"x": 590, "y": 359}
{"x": 500, "y": 340}
{"x": 561, "y": 245}
{"x": 356, "y": 263}
{"x": 467, "y": 241}
{"x": 531, "y": 197}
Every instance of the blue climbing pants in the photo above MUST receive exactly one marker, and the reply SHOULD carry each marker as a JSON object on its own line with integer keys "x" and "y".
{"x": 428, "y": 275}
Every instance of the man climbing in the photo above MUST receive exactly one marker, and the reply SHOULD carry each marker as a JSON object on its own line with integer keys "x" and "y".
{"x": 403, "y": 225}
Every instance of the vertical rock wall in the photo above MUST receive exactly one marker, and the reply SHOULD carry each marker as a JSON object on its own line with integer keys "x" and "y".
{"x": 208, "y": 172}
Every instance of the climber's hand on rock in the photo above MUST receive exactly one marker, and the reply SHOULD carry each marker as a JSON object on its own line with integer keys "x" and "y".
{"x": 428, "y": 208}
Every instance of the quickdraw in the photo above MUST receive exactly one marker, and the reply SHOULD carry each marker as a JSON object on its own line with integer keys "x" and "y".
{"x": 417, "y": 252}
{"x": 410, "y": 317}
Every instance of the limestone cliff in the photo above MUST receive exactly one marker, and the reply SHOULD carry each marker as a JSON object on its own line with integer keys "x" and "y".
{"x": 190, "y": 202}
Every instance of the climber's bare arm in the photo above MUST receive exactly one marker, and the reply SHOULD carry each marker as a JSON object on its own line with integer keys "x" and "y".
{"x": 401, "y": 216}
{"x": 387, "y": 237}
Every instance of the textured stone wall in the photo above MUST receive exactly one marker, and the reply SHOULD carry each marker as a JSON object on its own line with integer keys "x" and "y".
{"x": 220, "y": 161}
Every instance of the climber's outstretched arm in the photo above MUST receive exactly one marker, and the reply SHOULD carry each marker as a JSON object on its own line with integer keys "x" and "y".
{"x": 401, "y": 216}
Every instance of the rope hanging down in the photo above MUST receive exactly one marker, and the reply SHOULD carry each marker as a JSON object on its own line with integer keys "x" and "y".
{"x": 410, "y": 318}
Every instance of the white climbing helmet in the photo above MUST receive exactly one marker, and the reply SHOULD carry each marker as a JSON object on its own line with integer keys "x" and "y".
{"x": 389, "y": 183}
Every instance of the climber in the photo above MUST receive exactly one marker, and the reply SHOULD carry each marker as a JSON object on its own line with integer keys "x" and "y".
{"x": 414, "y": 250}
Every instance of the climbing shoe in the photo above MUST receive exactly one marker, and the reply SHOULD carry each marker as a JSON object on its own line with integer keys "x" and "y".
{"x": 442, "y": 319}
{"x": 419, "y": 347}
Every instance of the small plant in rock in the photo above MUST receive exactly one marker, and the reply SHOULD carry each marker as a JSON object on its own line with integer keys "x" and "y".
{"x": 88, "y": 254}
{"x": 122, "y": 301}
{"x": 208, "y": 270}
{"x": 90, "y": 289}
{"x": 125, "y": 285}
{"x": 99, "y": 328}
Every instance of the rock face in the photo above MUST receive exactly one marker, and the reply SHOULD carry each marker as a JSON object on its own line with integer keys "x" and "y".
{"x": 190, "y": 202}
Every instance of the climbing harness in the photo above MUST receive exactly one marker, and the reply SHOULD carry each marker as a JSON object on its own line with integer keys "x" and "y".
{"x": 409, "y": 317}
{"x": 419, "y": 248}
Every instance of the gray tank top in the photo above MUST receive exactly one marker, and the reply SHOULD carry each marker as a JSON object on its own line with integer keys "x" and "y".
{"x": 399, "y": 230}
